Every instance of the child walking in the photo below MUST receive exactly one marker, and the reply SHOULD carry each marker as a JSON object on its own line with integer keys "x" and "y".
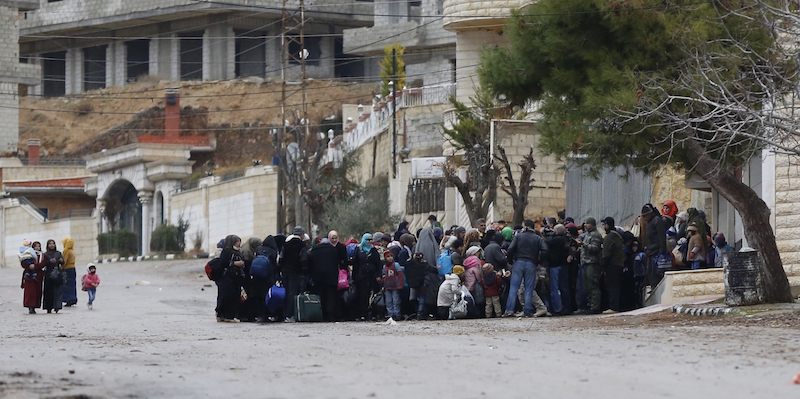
{"x": 89, "y": 282}
{"x": 393, "y": 281}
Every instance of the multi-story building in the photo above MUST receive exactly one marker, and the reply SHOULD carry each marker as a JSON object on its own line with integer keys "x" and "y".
{"x": 13, "y": 75}
{"x": 83, "y": 45}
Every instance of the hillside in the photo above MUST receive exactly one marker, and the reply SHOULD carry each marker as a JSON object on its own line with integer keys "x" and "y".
{"x": 236, "y": 112}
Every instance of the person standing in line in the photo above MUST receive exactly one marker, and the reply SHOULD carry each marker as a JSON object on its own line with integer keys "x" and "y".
{"x": 341, "y": 249}
{"x": 90, "y": 282}
{"x": 325, "y": 266}
{"x": 393, "y": 279}
{"x": 70, "y": 289}
{"x": 558, "y": 251}
{"x": 229, "y": 285}
{"x": 591, "y": 260}
{"x": 613, "y": 263}
{"x": 291, "y": 264}
{"x": 527, "y": 250}
{"x": 54, "y": 280}
{"x": 366, "y": 266}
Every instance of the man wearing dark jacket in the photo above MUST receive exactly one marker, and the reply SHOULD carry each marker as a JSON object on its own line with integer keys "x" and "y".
{"x": 613, "y": 263}
{"x": 557, "y": 252}
{"x": 292, "y": 265}
{"x": 416, "y": 270}
{"x": 325, "y": 264}
{"x": 591, "y": 260}
{"x": 527, "y": 250}
{"x": 493, "y": 253}
{"x": 655, "y": 242}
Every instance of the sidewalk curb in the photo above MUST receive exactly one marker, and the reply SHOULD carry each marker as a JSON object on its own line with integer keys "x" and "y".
{"x": 708, "y": 311}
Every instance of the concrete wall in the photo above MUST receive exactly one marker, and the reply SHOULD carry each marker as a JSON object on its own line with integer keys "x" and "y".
{"x": 19, "y": 222}
{"x": 787, "y": 215}
{"x": 246, "y": 207}
{"x": 431, "y": 70}
{"x": 377, "y": 152}
{"x": 468, "y": 47}
{"x": 423, "y": 127}
{"x": 9, "y": 116}
{"x": 548, "y": 195}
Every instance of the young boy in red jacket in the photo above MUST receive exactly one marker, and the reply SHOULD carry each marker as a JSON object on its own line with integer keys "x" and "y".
{"x": 492, "y": 284}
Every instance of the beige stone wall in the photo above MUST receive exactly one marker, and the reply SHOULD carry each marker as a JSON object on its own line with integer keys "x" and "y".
{"x": 44, "y": 173}
{"x": 19, "y": 223}
{"x": 787, "y": 214}
{"x": 377, "y": 153}
{"x": 468, "y": 48}
{"x": 246, "y": 207}
{"x": 549, "y": 193}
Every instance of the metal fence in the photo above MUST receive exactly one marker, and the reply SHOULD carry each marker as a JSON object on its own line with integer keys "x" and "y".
{"x": 614, "y": 193}
{"x": 425, "y": 196}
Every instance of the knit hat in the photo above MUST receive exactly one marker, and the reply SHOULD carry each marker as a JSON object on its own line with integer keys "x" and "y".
{"x": 569, "y": 220}
{"x": 573, "y": 230}
{"x": 473, "y": 251}
{"x": 298, "y": 231}
{"x": 460, "y": 230}
{"x": 683, "y": 216}
{"x": 487, "y": 268}
{"x": 26, "y": 242}
{"x": 458, "y": 270}
{"x": 386, "y": 237}
{"x": 719, "y": 240}
{"x": 591, "y": 221}
{"x": 388, "y": 252}
{"x": 560, "y": 230}
{"x": 89, "y": 266}
{"x": 377, "y": 236}
{"x": 471, "y": 262}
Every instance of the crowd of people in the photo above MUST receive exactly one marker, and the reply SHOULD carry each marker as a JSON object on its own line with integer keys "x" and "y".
{"x": 552, "y": 267}
{"x": 49, "y": 278}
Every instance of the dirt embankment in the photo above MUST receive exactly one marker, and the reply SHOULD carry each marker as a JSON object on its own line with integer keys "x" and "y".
{"x": 238, "y": 113}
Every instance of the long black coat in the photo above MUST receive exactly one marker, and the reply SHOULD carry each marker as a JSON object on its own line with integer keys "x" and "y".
{"x": 325, "y": 263}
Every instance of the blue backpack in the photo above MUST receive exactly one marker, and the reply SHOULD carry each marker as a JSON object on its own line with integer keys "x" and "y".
{"x": 444, "y": 263}
{"x": 261, "y": 267}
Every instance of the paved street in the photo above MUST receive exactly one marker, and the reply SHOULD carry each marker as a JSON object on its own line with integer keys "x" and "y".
{"x": 161, "y": 341}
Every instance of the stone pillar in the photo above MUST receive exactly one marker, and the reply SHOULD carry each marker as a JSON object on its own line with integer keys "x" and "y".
{"x": 273, "y": 53}
{"x": 207, "y": 75}
{"x": 146, "y": 199}
{"x": 120, "y": 63}
{"x": 101, "y": 208}
{"x": 153, "y": 50}
{"x": 174, "y": 61}
{"x": 230, "y": 44}
{"x": 74, "y": 71}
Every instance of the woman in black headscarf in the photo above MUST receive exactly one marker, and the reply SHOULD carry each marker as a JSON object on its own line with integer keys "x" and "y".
{"x": 230, "y": 284}
{"x": 401, "y": 229}
{"x": 261, "y": 285}
{"x": 53, "y": 279}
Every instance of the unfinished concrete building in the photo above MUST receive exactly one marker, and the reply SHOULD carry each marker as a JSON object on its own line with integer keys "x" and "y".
{"x": 13, "y": 75}
{"x": 430, "y": 50}
{"x": 90, "y": 44}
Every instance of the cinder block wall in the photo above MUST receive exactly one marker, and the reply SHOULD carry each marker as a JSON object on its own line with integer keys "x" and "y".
{"x": 787, "y": 215}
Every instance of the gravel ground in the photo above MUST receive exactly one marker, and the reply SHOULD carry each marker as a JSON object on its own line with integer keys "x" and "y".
{"x": 161, "y": 341}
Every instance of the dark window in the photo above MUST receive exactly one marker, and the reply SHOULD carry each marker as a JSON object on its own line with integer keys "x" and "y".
{"x": 313, "y": 46}
{"x": 192, "y": 56}
{"x": 54, "y": 73}
{"x": 94, "y": 68}
{"x": 346, "y": 65}
{"x": 251, "y": 55}
{"x": 138, "y": 61}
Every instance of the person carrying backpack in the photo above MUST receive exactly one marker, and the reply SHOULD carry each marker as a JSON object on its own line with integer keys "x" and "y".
{"x": 415, "y": 272}
{"x": 263, "y": 271}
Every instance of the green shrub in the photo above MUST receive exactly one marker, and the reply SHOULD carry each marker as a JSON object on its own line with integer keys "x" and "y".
{"x": 168, "y": 238}
{"x": 122, "y": 242}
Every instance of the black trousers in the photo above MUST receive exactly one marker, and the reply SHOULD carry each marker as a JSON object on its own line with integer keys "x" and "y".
{"x": 291, "y": 282}
{"x": 613, "y": 286}
{"x": 329, "y": 296}
{"x": 228, "y": 297}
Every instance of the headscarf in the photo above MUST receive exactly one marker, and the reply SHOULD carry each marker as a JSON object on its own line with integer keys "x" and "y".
{"x": 694, "y": 217}
{"x": 427, "y": 244}
{"x": 269, "y": 247}
{"x": 249, "y": 248}
{"x": 672, "y": 209}
{"x": 407, "y": 240}
{"x": 508, "y": 233}
{"x": 473, "y": 251}
{"x": 471, "y": 261}
{"x": 437, "y": 233}
{"x": 230, "y": 241}
{"x": 401, "y": 229}
{"x": 365, "y": 246}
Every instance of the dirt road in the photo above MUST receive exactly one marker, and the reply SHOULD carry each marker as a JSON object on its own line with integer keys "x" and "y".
{"x": 161, "y": 341}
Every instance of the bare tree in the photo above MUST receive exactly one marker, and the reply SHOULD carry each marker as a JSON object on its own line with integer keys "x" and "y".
{"x": 517, "y": 190}
{"x": 733, "y": 97}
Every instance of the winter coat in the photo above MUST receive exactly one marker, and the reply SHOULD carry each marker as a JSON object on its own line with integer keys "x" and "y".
{"x": 416, "y": 271}
{"x": 448, "y": 290}
{"x": 696, "y": 241}
{"x": 367, "y": 265}
{"x": 432, "y": 283}
{"x": 494, "y": 254}
{"x": 292, "y": 255}
{"x": 393, "y": 277}
{"x": 69, "y": 253}
{"x": 324, "y": 263}
{"x": 492, "y": 284}
{"x": 472, "y": 276}
{"x": 90, "y": 281}
{"x": 557, "y": 251}
{"x": 527, "y": 246}
{"x": 427, "y": 244}
{"x": 341, "y": 251}
{"x": 656, "y": 236}
{"x": 591, "y": 250}
{"x": 613, "y": 250}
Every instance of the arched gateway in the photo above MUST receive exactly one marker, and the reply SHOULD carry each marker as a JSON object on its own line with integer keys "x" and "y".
{"x": 128, "y": 177}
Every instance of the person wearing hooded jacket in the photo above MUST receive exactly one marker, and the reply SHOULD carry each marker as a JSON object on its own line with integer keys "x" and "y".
{"x": 366, "y": 268}
{"x": 655, "y": 239}
{"x": 427, "y": 244}
{"x": 473, "y": 277}
{"x": 415, "y": 272}
{"x": 324, "y": 262}
{"x": 591, "y": 260}
{"x": 69, "y": 291}
{"x": 260, "y": 286}
{"x": 229, "y": 285}
{"x": 293, "y": 265}
{"x": 248, "y": 311}
{"x": 448, "y": 291}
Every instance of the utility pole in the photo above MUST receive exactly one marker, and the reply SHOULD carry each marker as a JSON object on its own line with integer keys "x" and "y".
{"x": 393, "y": 87}
{"x": 293, "y": 35}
